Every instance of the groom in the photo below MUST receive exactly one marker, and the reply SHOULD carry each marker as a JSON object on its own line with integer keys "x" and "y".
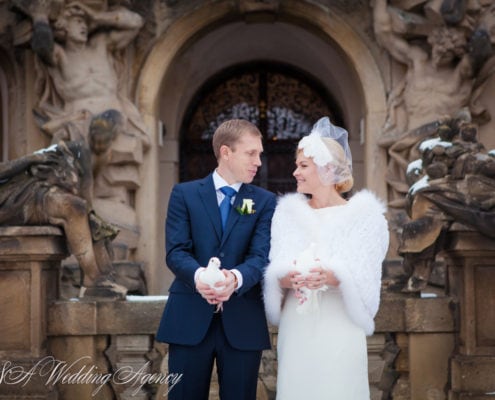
{"x": 226, "y": 324}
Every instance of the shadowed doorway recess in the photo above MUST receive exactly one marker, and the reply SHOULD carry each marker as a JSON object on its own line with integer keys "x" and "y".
{"x": 282, "y": 101}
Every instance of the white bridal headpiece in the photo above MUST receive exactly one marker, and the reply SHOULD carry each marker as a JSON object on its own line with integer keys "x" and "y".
{"x": 334, "y": 160}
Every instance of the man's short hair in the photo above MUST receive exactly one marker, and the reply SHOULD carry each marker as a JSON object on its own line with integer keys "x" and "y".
{"x": 229, "y": 132}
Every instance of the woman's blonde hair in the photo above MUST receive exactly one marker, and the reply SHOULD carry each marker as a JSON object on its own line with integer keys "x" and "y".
{"x": 338, "y": 171}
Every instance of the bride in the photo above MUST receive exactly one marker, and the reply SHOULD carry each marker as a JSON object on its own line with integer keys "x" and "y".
{"x": 322, "y": 286}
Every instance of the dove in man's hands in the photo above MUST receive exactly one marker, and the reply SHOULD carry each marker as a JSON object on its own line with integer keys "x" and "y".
{"x": 211, "y": 275}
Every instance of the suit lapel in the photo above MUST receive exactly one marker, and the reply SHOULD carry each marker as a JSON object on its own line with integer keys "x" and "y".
{"x": 209, "y": 198}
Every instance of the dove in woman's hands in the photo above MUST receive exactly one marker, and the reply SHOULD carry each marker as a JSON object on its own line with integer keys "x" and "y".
{"x": 305, "y": 263}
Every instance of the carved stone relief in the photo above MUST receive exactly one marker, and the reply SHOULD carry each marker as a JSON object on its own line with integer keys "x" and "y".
{"x": 81, "y": 82}
{"x": 47, "y": 187}
{"x": 453, "y": 181}
{"x": 443, "y": 45}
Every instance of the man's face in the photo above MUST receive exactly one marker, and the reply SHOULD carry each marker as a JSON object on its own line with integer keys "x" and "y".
{"x": 77, "y": 29}
{"x": 240, "y": 163}
{"x": 100, "y": 140}
{"x": 441, "y": 57}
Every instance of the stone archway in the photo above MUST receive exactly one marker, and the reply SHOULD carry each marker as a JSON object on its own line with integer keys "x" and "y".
{"x": 161, "y": 165}
{"x": 3, "y": 116}
{"x": 6, "y": 83}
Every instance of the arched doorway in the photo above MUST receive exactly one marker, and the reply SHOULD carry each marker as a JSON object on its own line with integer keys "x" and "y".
{"x": 200, "y": 43}
{"x": 281, "y": 100}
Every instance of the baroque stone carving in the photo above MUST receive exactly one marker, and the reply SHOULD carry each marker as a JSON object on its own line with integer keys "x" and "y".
{"x": 443, "y": 49}
{"x": 80, "y": 75}
{"x": 453, "y": 181}
{"x": 48, "y": 187}
{"x": 78, "y": 79}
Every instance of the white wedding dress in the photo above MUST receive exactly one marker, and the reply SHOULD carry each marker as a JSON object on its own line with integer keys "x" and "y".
{"x": 321, "y": 355}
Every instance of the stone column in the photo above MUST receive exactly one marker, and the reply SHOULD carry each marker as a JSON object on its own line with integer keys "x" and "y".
{"x": 470, "y": 260}
{"x": 29, "y": 262}
{"x": 420, "y": 341}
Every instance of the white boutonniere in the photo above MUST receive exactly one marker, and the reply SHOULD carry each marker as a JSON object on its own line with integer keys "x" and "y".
{"x": 247, "y": 207}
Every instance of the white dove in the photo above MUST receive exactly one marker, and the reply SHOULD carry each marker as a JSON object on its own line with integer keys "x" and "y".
{"x": 212, "y": 275}
{"x": 305, "y": 261}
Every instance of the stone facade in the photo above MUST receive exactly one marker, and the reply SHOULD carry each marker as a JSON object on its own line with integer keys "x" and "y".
{"x": 424, "y": 348}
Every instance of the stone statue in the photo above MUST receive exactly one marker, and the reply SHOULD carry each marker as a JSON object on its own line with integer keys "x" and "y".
{"x": 47, "y": 187}
{"x": 79, "y": 77}
{"x": 437, "y": 84}
{"x": 79, "y": 47}
{"x": 454, "y": 181}
{"x": 487, "y": 71}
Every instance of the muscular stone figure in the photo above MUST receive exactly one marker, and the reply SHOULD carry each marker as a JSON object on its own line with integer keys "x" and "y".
{"x": 437, "y": 85}
{"x": 78, "y": 78}
{"x": 80, "y": 75}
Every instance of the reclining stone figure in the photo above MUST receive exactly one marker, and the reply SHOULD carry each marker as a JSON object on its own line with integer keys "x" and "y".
{"x": 47, "y": 187}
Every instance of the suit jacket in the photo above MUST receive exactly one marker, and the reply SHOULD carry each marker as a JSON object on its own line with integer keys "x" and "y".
{"x": 193, "y": 235}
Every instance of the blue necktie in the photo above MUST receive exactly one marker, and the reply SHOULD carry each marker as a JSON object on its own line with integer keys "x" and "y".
{"x": 226, "y": 204}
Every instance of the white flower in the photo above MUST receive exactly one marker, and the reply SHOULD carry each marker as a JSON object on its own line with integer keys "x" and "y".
{"x": 246, "y": 207}
{"x": 313, "y": 147}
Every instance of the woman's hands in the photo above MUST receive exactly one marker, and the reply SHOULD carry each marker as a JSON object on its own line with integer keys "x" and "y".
{"x": 320, "y": 277}
{"x": 293, "y": 280}
{"x": 316, "y": 279}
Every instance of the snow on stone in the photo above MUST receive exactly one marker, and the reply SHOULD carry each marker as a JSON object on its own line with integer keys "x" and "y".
{"x": 416, "y": 166}
{"x": 431, "y": 143}
{"x": 422, "y": 183}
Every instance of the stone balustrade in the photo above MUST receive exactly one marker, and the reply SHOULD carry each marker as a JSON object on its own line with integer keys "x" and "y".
{"x": 421, "y": 345}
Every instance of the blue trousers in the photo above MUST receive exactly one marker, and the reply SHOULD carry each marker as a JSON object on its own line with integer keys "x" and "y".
{"x": 237, "y": 369}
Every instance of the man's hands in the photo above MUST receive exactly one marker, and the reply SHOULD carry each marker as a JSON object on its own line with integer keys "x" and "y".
{"x": 222, "y": 290}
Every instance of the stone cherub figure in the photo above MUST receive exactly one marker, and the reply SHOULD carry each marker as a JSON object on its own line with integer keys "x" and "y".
{"x": 453, "y": 181}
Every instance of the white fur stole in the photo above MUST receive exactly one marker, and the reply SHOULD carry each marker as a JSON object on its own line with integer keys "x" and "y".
{"x": 352, "y": 242}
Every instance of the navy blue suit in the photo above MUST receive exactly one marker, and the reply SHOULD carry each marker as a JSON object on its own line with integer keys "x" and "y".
{"x": 193, "y": 235}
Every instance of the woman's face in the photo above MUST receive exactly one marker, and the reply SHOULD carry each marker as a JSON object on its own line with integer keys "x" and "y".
{"x": 306, "y": 174}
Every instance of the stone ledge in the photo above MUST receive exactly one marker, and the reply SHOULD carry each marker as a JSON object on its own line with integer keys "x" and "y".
{"x": 463, "y": 240}
{"x": 32, "y": 243}
{"x": 79, "y": 317}
{"x": 422, "y": 315}
{"x": 31, "y": 230}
